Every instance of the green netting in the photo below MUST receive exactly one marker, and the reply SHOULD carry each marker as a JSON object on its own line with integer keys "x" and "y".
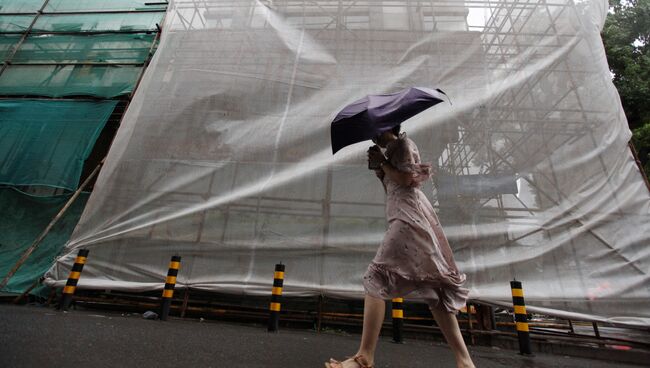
{"x": 6, "y": 43}
{"x": 22, "y": 219}
{"x": 98, "y": 22}
{"x": 15, "y": 23}
{"x": 20, "y": 6}
{"x": 86, "y": 5}
{"x": 110, "y": 48}
{"x": 68, "y": 80}
{"x": 46, "y": 142}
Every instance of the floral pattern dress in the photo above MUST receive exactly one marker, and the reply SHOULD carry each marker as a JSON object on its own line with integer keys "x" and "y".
{"x": 414, "y": 260}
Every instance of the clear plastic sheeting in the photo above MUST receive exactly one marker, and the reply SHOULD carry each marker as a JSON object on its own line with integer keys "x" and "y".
{"x": 45, "y": 143}
{"x": 224, "y": 155}
{"x": 105, "y": 48}
{"x": 69, "y": 80}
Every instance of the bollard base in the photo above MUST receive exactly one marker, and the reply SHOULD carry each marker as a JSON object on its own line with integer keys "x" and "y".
{"x": 524, "y": 343}
{"x": 164, "y": 308}
{"x": 274, "y": 321}
{"x": 398, "y": 328}
{"x": 66, "y": 300}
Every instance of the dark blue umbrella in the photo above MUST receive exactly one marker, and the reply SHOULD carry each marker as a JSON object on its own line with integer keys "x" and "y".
{"x": 375, "y": 114}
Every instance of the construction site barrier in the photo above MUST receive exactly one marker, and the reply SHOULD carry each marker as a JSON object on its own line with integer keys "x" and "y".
{"x": 398, "y": 320}
{"x": 276, "y": 294}
{"x": 73, "y": 279}
{"x": 521, "y": 319}
{"x": 170, "y": 283}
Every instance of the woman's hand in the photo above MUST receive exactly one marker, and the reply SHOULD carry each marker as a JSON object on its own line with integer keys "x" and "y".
{"x": 375, "y": 157}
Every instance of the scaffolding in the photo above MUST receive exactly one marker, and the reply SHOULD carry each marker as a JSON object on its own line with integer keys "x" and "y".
{"x": 69, "y": 70}
{"x": 541, "y": 109}
{"x": 76, "y": 51}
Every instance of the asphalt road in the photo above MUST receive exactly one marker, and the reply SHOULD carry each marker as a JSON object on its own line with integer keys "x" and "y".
{"x": 40, "y": 337}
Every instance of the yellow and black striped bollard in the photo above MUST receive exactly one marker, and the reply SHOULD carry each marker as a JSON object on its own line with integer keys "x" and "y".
{"x": 170, "y": 283}
{"x": 398, "y": 320}
{"x": 521, "y": 319}
{"x": 276, "y": 294}
{"x": 73, "y": 279}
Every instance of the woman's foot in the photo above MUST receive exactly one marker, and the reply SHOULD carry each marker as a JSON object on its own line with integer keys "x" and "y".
{"x": 357, "y": 361}
{"x": 465, "y": 362}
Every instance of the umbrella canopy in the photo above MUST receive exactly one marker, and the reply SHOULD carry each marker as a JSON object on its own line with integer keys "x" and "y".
{"x": 375, "y": 114}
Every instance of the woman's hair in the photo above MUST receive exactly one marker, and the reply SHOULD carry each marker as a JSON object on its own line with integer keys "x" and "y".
{"x": 395, "y": 130}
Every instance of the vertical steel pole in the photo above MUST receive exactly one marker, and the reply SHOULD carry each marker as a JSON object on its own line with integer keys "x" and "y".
{"x": 276, "y": 294}
{"x": 521, "y": 319}
{"x": 170, "y": 283}
{"x": 398, "y": 320}
{"x": 73, "y": 279}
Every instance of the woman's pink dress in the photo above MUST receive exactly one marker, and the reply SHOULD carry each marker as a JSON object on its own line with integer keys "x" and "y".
{"x": 414, "y": 260}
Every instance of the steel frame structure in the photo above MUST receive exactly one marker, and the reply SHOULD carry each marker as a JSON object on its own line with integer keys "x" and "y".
{"x": 498, "y": 137}
{"x": 492, "y": 139}
{"x": 477, "y": 133}
{"x": 114, "y": 120}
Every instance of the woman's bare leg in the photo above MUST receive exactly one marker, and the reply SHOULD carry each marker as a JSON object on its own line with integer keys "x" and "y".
{"x": 373, "y": 318}
{"x": 449, "y": 327}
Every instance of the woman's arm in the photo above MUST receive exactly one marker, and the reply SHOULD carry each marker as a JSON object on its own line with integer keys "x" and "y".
{"x": 386, "y": 169}
{"x": 376, "y": 157}
{"x": 380, "y": 174}
{"x": 400, "y": 177}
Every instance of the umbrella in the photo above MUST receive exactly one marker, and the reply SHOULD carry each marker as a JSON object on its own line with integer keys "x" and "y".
{"x": 375, "y": 114}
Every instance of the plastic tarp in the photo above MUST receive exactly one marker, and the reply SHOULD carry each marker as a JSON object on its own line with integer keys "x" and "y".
{"x": 46, "y": 142}
{"x": 224, "y": 155}
{"x": 145, "y": 21}
{"x": 32, "y": 6}
{"x": 20, "y": 6}
{"x": 15, "y": 23}
{"x": 69, "y": 80}
{"x": 6, "y": 45}
{"x": 22, "y": 219}
{"x": 107, "y": 48}
{"x": 92, "y": 5}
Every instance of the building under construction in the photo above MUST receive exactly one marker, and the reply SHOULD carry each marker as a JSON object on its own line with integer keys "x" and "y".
{"x": 217, "y": 118}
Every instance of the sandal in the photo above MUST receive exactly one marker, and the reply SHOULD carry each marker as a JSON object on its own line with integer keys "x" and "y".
{"x": 333, "y": 363}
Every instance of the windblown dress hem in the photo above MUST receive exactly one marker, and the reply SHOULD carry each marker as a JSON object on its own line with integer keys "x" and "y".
{"x": 414, "y": 260}
{"x": 382, "y": 282}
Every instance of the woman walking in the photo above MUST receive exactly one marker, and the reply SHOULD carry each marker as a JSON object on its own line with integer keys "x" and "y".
{"x": 414, "y": 259}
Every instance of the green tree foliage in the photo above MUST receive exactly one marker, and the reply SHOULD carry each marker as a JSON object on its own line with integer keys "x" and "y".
{"x": 626, "y": 36}
{"x": 641, "y": 140}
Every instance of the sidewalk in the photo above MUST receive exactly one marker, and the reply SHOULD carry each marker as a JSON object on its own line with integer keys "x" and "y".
{"x": 40, "y": 337}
